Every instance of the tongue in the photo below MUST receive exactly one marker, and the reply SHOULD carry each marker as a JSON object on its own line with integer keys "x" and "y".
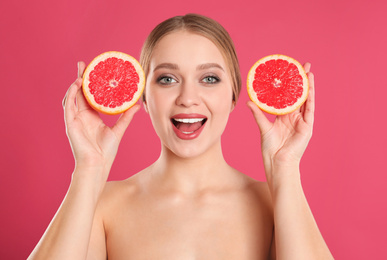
{"x": 187, "y": 127}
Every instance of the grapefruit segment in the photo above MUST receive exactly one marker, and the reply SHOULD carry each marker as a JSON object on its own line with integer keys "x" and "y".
{"x": 113, "y": 82}
{"x": 277, "y": 84}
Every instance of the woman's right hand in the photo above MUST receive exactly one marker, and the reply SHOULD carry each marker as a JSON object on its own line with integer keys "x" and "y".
{"x": 93, "y": 143}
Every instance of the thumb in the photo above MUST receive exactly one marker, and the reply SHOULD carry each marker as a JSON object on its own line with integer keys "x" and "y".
{"x": 123, "y": 122}
{"x": 81, "y": 68}
{"x": 263, "y": 122}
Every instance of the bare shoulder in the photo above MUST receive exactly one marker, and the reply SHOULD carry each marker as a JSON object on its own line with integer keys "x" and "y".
{"x": 261, "y": 189}
{"x": 260, "y": 193}
{"x": 118, "y": 195}
{"x": 119, "y": 189}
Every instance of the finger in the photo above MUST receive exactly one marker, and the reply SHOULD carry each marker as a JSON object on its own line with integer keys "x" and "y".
{"x": 68, "y": 103}
{"x": 307, "y": 66}
{"x": 123, "y": 122}
{"x": 65, "y": 98}
{"x": 81, "y": 68}
{"x": 309, "y": 108}
{"x": 82, "y": 103}
{"x": 263, "y": 122}
{"x": 81, "y": 100}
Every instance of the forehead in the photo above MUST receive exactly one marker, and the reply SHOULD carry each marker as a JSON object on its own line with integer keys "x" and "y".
{"x": 185, "y": 48}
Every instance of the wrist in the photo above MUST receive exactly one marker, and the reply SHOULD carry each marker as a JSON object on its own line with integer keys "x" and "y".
{"x": 273, "y": 165}
{"x": 92, "y": 179}
{"x": 92, "y": 165}
{"x": 278, "y": 175}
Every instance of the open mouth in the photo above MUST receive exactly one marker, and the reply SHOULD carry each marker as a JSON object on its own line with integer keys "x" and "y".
{"x": 188, "y": 125}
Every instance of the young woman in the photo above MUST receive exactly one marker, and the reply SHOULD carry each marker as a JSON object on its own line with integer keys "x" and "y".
{"x": 189, "y": 204}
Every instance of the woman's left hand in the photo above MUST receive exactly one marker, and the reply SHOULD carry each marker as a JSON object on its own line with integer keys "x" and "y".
{"x": 284, "y": 141}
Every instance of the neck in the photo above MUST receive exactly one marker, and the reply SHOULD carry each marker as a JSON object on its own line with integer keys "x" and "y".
{"x": 193, "y": 174}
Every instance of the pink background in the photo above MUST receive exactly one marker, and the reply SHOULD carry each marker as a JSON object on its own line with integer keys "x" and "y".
{"x": 343, "y": 170}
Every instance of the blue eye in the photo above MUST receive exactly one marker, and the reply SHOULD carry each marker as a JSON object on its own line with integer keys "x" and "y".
{"x": 211, "y": 80}
{"x": 164, "y": 80}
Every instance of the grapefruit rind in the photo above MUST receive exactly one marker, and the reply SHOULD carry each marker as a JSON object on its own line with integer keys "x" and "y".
{"x": 86, "y": 80}
{"x": 268, "y": 109}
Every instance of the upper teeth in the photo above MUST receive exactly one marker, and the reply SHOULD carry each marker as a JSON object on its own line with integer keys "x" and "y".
{"x": 188, "y": 120}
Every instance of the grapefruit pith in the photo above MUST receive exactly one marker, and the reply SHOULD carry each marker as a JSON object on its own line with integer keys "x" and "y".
{"x": 113, "y": 82}
{"x": 277, "y": 84}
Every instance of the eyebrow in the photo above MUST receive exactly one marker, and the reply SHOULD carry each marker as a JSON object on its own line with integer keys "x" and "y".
{"x": 166, "y": 66}
{"x": 208, "y": 66}
{"x": 173, "y": 66}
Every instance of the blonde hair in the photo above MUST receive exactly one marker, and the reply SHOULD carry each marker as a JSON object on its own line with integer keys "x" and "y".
{"x": 203, "y": 26}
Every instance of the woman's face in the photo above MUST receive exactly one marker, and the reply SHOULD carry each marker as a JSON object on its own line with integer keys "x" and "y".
{"x": 188, "y": 93}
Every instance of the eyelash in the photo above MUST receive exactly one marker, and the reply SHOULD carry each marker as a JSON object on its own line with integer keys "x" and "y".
{"x": 161, "y": 80}
{"x": 217, "y": 79}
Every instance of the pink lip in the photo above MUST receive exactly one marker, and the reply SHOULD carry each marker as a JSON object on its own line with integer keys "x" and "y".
{"x": 190, "y": 136}
{"x": 189, "y": 116}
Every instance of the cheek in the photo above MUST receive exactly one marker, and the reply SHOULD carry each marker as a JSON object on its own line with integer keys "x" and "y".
{"x": 159, "y": 104}
{"x": 221, "y": 100}
{"x": 158, "y": 100}
{"x": 220, "y": 107}
{"x": 154, "y": 109}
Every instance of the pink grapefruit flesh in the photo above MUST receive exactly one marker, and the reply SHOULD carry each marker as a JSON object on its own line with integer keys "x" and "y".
{"x": 277, "y": 84}
{"x": 113, "y": 82}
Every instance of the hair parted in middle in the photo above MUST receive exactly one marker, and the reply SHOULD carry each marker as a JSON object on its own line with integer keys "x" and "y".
{"x": 205, "y": 27}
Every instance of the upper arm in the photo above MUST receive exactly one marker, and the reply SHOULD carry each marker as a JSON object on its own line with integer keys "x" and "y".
{"x": 272, "y": 252}
{"x": 264, "y": 196}
{"x": 97, "y": 244}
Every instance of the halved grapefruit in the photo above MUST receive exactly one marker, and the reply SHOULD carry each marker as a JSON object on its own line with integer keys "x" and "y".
{"x": 277, "y": 84}
{"x": 113, "y": 82}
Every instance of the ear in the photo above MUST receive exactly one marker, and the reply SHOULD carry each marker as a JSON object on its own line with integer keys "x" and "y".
{"x": 145, "y": 106}
{"x": 233, "y": 106}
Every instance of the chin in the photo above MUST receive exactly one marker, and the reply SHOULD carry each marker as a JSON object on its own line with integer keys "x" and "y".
{"x": 192, "y": 150}
{"x": 187, "y": 152}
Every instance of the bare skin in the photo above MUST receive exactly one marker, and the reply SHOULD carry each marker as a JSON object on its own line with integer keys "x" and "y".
{"x": 231, "y": 221}
{"x": 189, "y": 204}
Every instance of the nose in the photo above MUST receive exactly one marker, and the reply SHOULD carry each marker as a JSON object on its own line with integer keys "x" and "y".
{"x": 188, "y": 95}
